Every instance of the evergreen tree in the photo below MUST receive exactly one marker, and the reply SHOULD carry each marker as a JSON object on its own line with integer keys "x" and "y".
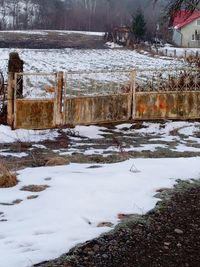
{"x": 138, "y": 25}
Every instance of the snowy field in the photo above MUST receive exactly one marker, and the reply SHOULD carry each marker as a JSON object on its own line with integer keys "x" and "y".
{"x": 85, "y": 60}
{"x": 61, "y": 32}
{"x": 180, "y": 52}
{"x": 47, "y": 226}
{"x": 111, "y": 66}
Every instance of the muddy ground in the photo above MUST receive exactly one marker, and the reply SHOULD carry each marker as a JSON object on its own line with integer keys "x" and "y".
{"x": 50, "y": 40}
{"x": 113, "y": 145}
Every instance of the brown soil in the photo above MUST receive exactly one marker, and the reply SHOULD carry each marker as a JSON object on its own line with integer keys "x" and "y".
{"x": 50, "y": 40}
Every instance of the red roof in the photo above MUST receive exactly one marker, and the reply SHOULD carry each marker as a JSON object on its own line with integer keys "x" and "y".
{"x": 183, "y": 17}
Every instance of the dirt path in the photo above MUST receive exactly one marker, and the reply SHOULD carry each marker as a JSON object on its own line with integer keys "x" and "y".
{"x": 168, "y": 236}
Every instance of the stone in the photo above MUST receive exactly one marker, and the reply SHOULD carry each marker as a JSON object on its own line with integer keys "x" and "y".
{"x": 178, "y": 231}
{"x": 105, "y": 224}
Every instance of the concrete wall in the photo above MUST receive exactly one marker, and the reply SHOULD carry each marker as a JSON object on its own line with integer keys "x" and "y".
{"x": 98, "y": 109}
{"x": 34, "y": 114}
{"x": 177, "y": 37}
{"x": 40, "y": 114}
{"x": 168, "y": 105}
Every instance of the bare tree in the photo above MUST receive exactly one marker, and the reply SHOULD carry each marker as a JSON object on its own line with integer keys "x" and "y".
{"x": 175, "y": 5}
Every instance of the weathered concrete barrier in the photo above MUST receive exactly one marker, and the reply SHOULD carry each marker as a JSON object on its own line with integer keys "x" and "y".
{"x": 167, "y": 105}
{"x": 98, "y": 109}
{"x": 34, "y": 114}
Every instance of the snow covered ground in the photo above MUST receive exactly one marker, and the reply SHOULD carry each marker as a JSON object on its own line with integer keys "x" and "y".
{"x": 20, "y": 135}
{"x": 177, "y": 136}
{"x": 54, "y": 60}
{"x": 45, "y": 32}
{"x": 112, "y": 65}
{"x": 180, "y": 52}
{"x": 45, "y": 227}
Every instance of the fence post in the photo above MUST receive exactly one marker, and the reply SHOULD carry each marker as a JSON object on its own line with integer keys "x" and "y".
{"x": 58, "y": 103}
{"x": 185, "y": 54}
{"x": 15, "y": 65}
{"x": 10, "y": 100}
{"x": 174, "y": 52}
{"x": 133, "y": 90}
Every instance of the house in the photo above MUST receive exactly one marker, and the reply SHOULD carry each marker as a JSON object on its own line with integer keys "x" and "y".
{"x": 186, "y": 29}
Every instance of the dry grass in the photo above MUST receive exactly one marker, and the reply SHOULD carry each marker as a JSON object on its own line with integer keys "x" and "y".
{"x": 193, "y": 60}
{"x": 57, "y": 161}
{"x": 7, "y": 178}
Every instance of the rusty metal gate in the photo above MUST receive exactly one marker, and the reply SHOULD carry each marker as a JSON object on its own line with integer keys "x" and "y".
{"x": 56, "y": 99}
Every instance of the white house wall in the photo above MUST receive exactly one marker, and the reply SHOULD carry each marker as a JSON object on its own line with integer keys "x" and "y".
{"x": 177, "y": 37}
{"x": 187, "y": 33}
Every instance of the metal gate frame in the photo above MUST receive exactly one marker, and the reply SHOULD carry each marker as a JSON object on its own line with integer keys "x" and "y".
{"x": 57, "y": 105}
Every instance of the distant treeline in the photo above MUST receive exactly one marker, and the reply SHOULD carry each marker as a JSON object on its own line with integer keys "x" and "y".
{"x": 89, "y": 15}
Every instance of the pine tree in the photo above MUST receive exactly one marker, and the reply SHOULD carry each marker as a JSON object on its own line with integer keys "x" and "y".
{"x": 138, "y": 25}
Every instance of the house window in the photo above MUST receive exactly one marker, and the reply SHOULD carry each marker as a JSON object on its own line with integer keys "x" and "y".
{"x": 198, "y": 22}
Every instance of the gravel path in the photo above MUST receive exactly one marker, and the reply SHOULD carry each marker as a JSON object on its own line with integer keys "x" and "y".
{"x": 169, "y": 235}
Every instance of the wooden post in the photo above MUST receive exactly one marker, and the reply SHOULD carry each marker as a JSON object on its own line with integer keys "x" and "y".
{"x": 174, "y": 52}
{"x": 15, "y": 65}
{"x": 10, "y": 101}
{"x": 133, "y": 91}
{"x": 58, "y": 103}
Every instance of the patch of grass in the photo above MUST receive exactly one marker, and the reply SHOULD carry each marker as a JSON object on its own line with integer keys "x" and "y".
{"x": 56, "y": 161}
{"x": 34, "y": 188}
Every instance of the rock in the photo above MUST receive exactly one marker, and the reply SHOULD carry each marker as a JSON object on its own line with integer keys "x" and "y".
{"x": 123, "y": 216}
{"x": 178, "y": 231}
{"x": 17, "y": 201}
{"x": 105, "y": 224}
{"x": 32, "y": 197}
{"x": 105, "y": 256}
{"x": 96, "y": 247}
